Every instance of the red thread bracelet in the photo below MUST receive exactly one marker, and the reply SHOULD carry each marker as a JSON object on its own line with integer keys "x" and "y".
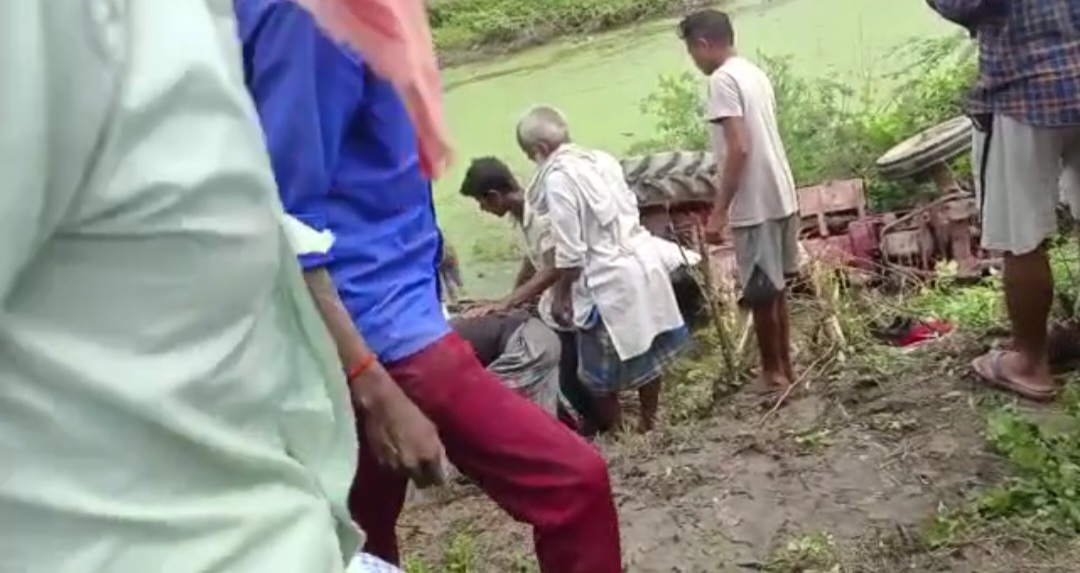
{"x": 360, "y": 367}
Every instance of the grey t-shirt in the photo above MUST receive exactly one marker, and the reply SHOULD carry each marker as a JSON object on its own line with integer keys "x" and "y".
{"x": 741, "y": 89}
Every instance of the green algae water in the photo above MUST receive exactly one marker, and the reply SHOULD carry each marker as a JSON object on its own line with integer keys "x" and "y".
{"x": 600, "y": 81}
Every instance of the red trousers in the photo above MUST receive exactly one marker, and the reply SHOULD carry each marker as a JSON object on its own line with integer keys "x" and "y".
{"x": 536, "y": 469}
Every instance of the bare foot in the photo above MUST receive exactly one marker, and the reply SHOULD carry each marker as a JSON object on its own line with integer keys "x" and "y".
{"x": 768, "y": 384}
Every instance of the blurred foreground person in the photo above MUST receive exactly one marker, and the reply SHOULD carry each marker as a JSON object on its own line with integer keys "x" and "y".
{"x": 169, "y": 398}
{"x": 345, "y": 157}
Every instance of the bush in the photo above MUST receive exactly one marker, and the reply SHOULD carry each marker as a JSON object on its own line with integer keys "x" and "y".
{"x": 829, "y": 128}
{"x": 467, "y": 24}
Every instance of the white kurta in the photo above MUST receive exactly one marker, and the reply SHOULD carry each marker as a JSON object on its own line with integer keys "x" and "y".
{"x": 597, "y": 227}
{"x": 169, "y": 399}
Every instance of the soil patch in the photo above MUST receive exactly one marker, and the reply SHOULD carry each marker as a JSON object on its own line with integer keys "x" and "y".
{"x": 861, "y": 460}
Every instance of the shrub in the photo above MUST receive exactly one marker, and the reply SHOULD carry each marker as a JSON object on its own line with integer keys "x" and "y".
{"x": 466, "y": 24}
{"x": 830, "y": 128}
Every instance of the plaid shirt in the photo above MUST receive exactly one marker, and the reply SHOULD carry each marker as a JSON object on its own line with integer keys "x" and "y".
{"x": 1029, "y": 57}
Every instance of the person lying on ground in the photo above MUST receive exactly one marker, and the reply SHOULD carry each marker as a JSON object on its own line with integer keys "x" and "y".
{"x": 345, "y": 158}
{"x": 629, "y": 328}
{"x": 1026, "y": 113}
{"x": 520, "y": 350}
{"x": 171, "y": 401}
{"x": 757, "y": 198}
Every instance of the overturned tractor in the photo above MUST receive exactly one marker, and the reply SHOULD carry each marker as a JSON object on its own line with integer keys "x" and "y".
{"x": 675, "y": 192}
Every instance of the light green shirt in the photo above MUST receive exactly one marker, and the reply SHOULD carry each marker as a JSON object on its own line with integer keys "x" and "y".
{"x": 169, "y": 399}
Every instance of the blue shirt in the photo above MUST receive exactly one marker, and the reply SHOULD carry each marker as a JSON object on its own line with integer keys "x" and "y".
{"x": 345, "y": 158}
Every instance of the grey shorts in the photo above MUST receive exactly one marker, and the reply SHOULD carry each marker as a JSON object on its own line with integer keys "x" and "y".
{"x": 1021, "y": 174}
{"x": 766, "y": 254}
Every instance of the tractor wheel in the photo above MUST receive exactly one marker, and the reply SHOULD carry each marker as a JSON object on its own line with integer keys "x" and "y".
{"x": 918, "y": 153}
{"x": 672, "y": 177}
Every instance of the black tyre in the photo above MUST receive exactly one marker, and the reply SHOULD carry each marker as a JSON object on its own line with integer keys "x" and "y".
{"x": 672, "y": 177}
{"x": 918, "y": 153}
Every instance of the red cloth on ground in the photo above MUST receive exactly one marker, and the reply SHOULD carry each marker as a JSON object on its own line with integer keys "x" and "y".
{"x": 524, "y": 459}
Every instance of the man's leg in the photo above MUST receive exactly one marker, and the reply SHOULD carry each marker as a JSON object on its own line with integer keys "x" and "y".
{"x": 783, "y": 345}
{"x": 649, "y": 396}
{"x": 768, "y": 332}
{"x": 608, "y": 410}
{"x": 1018, "y": 168}
{"x": 788, "y": 244}
{"x": 570, "y": 384}
{"x": 531, "y": 465}
{"x": 757, "y": 254}
{"x": 375, "y": 501}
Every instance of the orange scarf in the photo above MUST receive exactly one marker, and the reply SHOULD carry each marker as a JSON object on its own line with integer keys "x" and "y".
{"x": 395, "y": 40}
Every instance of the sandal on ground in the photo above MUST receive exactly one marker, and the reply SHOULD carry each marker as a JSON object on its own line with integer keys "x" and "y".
{"x": 989, "y": 372}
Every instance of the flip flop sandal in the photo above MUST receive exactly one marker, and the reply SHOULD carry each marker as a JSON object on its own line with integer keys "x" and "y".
{"x": 996, "y": 378}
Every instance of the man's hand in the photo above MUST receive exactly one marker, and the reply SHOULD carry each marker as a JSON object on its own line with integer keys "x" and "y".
{"x": 401, "y": 436}
{"x": 716, "y": 226}
{"x": 482, "y": 310}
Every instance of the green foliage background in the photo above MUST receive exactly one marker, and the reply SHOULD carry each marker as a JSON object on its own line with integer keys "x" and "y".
{"x": 468, "y": 24}
{"x": 830, "y": 128}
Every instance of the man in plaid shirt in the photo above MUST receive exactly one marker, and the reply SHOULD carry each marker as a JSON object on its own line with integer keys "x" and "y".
{"x": 1026, "y": 111}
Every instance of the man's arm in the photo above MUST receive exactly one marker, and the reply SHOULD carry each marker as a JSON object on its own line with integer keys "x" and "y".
{"x": 305, "y": 94}
{"x": 536, "y": 284}
{"x": 737, "y": 149}
{"x": 968, "y": 13}
{"x": 725, "y": 108}
{"x": 536, "y": 281}
{"x": 525, "y": 272}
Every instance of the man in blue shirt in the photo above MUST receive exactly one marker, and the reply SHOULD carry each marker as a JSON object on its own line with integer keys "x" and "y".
{"x": 345, "y": 158}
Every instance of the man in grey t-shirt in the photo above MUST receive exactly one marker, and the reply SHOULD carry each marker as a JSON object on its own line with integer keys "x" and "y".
{"x": 757, "y": 192}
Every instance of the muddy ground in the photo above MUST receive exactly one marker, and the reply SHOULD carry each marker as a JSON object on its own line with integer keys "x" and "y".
{"x": 843, "y": 478}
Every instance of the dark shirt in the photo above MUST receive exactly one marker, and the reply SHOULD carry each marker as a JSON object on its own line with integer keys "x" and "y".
{"x": 489, "y": 334}
{"x": 345, "y": 158}
{"x": 1029, "y": 57}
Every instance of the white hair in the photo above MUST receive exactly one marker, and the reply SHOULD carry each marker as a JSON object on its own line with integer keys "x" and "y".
{"x": 542, "y": 124}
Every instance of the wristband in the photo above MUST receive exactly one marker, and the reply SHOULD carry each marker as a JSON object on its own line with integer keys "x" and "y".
{"x": 360, "y": 367}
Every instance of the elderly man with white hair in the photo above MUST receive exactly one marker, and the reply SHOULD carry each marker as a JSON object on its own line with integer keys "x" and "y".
{"x": 624, "y": 309}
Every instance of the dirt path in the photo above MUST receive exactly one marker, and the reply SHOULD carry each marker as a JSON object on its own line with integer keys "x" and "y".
{"x": 847, "y": 473}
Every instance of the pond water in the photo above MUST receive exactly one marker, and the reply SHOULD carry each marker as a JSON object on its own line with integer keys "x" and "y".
{"x": 600, "y": 81}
